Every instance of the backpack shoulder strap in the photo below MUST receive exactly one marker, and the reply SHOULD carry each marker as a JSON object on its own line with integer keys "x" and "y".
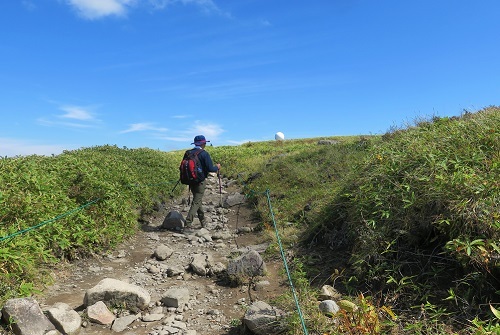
{"x": 195, "y": 151}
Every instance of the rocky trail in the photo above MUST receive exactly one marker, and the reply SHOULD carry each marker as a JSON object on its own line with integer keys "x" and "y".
{"x": 161, "y": 261}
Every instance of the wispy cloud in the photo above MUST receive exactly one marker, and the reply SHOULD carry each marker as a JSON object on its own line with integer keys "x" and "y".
{"x": 96, "y": 9}
{"x": 29, "y": 5}
{"x": 13, "y": 147}
{"x": 211, "y": 130}
{"x": 146, "y": 126}
{"x": 207, "y": 6}
{"x": 73, "y": 116}
{"x": 76, "y": 113}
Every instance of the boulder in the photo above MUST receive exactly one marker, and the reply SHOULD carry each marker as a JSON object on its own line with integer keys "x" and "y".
{"x": 162, "y": 252}
{"x": 116, "y": 292}
{"x": 250, "y": 264}
{"x": 233, "y": 200}
{"x": 175, "y": 297}
{"x": 173, "y": 221}
{"x": 25, "y": 317}
{"x": 263, "y": 319}
{"x": 329, "y": 307}
{"x": 64, "y": 318}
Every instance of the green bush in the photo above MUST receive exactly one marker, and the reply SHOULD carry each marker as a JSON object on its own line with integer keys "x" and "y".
{"x": 79, "y": 203}
{"x": 410, "y": 218}
{"x": 420, "y": 217}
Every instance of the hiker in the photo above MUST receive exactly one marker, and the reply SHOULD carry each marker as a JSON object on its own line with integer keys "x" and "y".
{"x": 198, "y": 189}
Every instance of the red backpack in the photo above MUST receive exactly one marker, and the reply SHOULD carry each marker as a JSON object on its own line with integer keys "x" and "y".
{"x": 190, "y": 169}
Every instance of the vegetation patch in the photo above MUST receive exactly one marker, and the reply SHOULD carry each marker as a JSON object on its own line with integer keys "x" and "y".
{"x": 405, "y": 225}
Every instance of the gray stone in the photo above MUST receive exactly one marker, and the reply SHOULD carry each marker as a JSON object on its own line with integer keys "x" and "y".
{"x": 262, "y": 285}
{"x": 233, "y": 200}
{"x": 173, "y": 221}
{"x": 162, "y": 252}
{"x": 116, "y": 292}
{"x": 174, "y": 271}
{"x": 64, "y": 318}
{"x": 122, "y": 323}
{"x": 26, "y": 318}
{"x": 99, "y": 313}
{"x": 176, "y": 297}
{"x": 201, "y": 264}
{"x": 328, "y": 307}
{"x": 153, "y": 317}
{"x": 250, "y": 264}
{"x": 263, "y": 319}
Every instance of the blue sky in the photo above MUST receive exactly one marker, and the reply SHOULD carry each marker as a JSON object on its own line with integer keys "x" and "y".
{"x": 155, "y": 73}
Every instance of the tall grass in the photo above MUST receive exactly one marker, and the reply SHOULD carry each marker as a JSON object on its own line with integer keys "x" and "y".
{"x": 420, "y": 218}
{"x": 35, "y": 190}
{"x": 406, "y": 224}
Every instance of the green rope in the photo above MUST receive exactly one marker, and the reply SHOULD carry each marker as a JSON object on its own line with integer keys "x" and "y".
{"x": 151, "y": 185}
{"x": 49, "y": 221}
{"x": 251, "y": 193}
{"x": 286, "y": 265}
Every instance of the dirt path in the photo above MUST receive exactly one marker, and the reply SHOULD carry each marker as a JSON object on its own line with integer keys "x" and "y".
{"x": 214, "y": 309}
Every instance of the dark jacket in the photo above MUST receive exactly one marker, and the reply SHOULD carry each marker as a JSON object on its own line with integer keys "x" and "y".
{"x": 206, "y": 162}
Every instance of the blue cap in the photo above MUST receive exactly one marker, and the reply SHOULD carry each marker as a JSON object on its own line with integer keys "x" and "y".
{"x": 199, "y": 140}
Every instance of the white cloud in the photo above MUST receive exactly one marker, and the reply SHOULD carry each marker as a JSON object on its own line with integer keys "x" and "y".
{"x": 73, "y": 117}
{"x": 76, "y": 112}
{"x": 210, "y": 130}
{"x": 12, "y": 147}
{"x": 95, "y": 9}
{"x": 29, "y": 5}
{"x": 146, "y": 126}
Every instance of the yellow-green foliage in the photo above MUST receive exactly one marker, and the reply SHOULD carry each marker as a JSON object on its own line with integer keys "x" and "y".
{"x": 420, "y": 217}
{"x": 413, "y": 214}
{"x": 46, "y": 191}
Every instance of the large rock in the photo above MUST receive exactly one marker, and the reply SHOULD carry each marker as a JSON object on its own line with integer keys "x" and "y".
{"x": 201, "y": 264}
{"x": 162, "y": 252}
{"x": 25, "y": 317}
{"x": 64, "y": 318}
{"x": 176, "y": 297}
{"x": 263, "y": 319}
{"x": 328, "y": 307}
{"x": 250, "y": 264}
{"x": 233, "y": 200}
{"x": 173, "y": 221}
{"x": 116, "y": 292}
{"x": 122, "y": 323}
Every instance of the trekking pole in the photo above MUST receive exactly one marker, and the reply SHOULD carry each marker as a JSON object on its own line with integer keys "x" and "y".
{"x": 178, "y": 181}
{"x": 220, "y": 201}
{"x": 220, "y": 186}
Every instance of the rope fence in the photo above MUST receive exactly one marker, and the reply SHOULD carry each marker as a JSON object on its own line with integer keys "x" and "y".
{"x": 250, "y": 193}
{"x": 41, "y": 224}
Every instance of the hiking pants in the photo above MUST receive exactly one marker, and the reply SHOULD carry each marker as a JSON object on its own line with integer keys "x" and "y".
{"x": 196, "y": 206}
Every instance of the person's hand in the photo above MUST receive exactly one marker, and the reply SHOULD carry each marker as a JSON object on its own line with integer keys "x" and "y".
{"x": 218, "y": 166}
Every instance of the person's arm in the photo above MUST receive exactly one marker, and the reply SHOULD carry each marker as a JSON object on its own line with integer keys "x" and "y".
{"x": 210, "y": 166}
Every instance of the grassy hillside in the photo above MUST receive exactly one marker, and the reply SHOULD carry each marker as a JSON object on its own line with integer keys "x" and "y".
{"x": 412, "y": 219}
{"x": 406, "y": 224}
